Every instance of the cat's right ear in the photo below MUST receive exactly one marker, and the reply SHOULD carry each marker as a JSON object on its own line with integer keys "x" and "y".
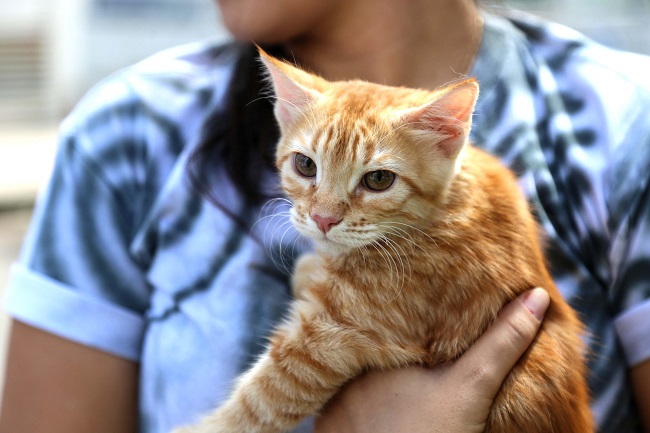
{"x": 447, "y": 119}
{"x": 291, "y": 86}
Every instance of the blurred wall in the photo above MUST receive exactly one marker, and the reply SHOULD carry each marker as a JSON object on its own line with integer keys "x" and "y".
{"x": 617, "y": 23}
{"x": 52, "y": 51}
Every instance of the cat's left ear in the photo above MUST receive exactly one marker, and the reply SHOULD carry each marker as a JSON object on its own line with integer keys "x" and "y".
{"x": 295, "y": 90}
{"x": 447, "y": 119}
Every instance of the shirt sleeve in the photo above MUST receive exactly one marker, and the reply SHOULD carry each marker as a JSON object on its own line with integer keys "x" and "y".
{"x": 75, "y": 277}
{"x": 631, "y": 252}
{"x": 629, "y": 182}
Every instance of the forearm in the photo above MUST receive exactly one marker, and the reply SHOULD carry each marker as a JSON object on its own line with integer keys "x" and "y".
{"x": 56, "y": 386}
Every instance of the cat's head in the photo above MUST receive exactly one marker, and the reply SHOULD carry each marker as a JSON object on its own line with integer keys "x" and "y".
{"x": 361, "y": 161}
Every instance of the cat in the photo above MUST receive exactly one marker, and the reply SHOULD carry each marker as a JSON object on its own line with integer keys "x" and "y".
{"x": 420, "y": 239}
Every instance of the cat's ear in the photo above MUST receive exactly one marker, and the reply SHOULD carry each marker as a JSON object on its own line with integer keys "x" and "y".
{"x": 295, "y": 90}
{"x": 447, "y": 119}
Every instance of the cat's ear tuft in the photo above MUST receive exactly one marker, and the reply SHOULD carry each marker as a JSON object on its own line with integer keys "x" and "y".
{"x": 292, "y": 87}
{"x": 447, "y": 119}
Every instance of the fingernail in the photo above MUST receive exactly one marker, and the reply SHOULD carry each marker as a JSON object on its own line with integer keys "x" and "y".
{"x": 537, "y": 301}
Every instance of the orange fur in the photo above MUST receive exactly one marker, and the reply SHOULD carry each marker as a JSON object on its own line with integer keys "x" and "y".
{"x": 412, "y": 275}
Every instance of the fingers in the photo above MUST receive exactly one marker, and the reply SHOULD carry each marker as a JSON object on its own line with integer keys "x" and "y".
{"x": 487, "y": 363}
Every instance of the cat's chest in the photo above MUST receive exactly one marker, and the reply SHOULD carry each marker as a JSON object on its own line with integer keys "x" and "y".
{"x": 409, "y": 313}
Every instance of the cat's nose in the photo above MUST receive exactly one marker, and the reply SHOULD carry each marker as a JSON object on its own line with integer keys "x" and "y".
{"x": 325, "y": 223}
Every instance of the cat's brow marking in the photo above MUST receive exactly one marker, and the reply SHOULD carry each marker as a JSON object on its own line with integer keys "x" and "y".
{"x": 323, "y": 145}
{"x": 315, "y": 139}
{"x": 337, "y": 147}
{"x": 355, "y": 142}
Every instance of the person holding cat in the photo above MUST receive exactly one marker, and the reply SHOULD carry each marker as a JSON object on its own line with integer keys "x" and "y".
{"x": 138, "y": 299}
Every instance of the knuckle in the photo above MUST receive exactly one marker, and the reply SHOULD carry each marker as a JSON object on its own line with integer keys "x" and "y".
{"x": 481, "y": 375}
{"x": 521, "y": 331}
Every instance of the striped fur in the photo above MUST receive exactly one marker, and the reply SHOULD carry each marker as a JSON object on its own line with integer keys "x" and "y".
{"x": 411, "y": 275}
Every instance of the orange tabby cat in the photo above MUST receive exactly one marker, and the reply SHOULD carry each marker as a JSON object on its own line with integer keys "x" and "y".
{"x": 420, "y": 241}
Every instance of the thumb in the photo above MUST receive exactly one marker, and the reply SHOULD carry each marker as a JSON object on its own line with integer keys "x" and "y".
{"x": 487, "y": 363}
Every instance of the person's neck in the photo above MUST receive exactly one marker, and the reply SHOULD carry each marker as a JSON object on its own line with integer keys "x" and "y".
{"x": 425, "y": 45}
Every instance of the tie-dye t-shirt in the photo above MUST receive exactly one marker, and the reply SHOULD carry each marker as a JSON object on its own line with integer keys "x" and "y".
{"x": 124, "y": 256}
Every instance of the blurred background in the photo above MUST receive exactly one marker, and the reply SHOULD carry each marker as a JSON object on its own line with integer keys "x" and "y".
{"x": 53, "y": 51}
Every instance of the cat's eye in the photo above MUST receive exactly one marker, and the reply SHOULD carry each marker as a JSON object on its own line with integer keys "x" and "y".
{"x": 379, "y": 180}
{"x": 305, "y": 166}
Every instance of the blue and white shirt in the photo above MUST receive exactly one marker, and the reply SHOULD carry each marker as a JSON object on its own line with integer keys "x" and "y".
{"x": 124, "y": 256}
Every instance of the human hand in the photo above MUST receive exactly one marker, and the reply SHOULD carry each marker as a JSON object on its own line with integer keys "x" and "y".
{"x": 452, "y": 398}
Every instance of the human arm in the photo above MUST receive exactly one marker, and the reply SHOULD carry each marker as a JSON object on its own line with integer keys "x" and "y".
{"x": 454, "y": 397}
{"x": 54, "y": 385}
{"x": 640, "y": 376}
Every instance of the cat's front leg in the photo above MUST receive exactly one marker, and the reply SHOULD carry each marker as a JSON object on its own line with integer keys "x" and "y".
{"x": 309, "y": 359}
{"x": 245, "y": 411}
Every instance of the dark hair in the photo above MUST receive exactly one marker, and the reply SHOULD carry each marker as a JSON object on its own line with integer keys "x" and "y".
{"x": 240, "y": 137}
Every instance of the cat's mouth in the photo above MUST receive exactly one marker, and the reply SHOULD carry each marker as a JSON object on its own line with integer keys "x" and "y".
{"x": 326, "y": 238}
{"x": 335, "y": 240}
{"x": 332, "y": 241}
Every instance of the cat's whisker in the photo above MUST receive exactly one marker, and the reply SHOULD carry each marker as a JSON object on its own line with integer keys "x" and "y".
{"x": 405, "y": 257}
{"x": 294, "y": 241}
{"x": 277, "y": 259}
{"x": 388, "y": 228}
{"x": 385, "y": 256}
{"x": 393, "y": 269}
{"x": 286, "y": 227}
{"x": 400, "y": 272}
{"x": 364, "y": 253}
{"x": 411, "y": 244}
{"x": 280, "y": 215}
{"x": 401, "y": 256}
{"x": 276, "y": 200}
{"x": 261, "y": 98}
{"x": 404, "y": 235}
{"x": 288, "y": 258}
{"x": 273, "y": 202}
{"x": 381, "y": 252}
{"x": 264, "y": 212}
{"x": 399, "y": 276}
{"x": 275, "y": 219}
{"x": 410, "y": 226}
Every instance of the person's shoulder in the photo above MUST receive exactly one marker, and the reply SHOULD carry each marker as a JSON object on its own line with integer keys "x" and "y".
{"x": 174, "y": 87}
{"x": 567, "y": 51}
{"x": 188, "y": 67}
{"x": 164, "y": 84}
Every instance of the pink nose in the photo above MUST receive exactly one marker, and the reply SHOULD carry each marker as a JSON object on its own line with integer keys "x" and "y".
{"x": 325, "y": 223}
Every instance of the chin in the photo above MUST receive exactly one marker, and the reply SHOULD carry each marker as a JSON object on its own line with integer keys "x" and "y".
{"x": 270, "y": 21}
{"x": 331, "y": 247}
